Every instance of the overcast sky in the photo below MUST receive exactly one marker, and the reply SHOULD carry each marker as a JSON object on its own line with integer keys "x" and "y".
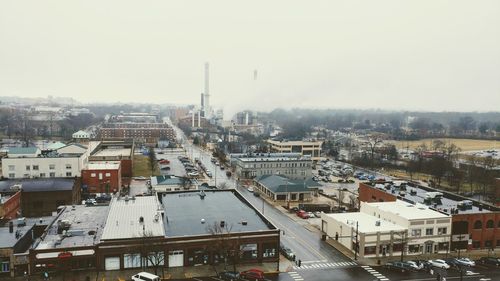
{"x": 417, "y": 55}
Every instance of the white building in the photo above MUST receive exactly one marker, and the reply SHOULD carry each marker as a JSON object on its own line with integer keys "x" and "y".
{"x": 67, "y": 161}
{"x": 385, "y": 228}
{"x": 81, "y": 135}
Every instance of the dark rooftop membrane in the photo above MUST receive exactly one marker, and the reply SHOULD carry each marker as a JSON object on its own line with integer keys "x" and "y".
{"x": 185, "y": 211}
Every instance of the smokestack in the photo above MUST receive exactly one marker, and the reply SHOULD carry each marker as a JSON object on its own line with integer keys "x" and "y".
{"x": 192, "y": 119}
{"x": 199, "y": 119}
{"x": 202, "y": 101}
{"x": 11, "y": 226}
{"x": 207, "y": 92}
{"x": 246, "y": 118}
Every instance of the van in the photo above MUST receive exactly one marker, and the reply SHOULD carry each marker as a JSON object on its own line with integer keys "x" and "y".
{"x": 145, "y": 276}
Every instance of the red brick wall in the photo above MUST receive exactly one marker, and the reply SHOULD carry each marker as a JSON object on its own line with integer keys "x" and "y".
{"x": 484, "y": 233}
{"x": 126, "y": 166}
{"x": 96, "y": 185}
{"x": 11, "y": 206}
{"x": 370, "y": 194}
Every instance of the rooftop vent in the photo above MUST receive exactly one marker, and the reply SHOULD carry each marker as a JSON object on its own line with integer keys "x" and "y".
{"x": 377, "y": 223}
{"x": 202, "y": 195}
{"x": 222, "y": 223}
{"x": 202, "y": 221}
{"x": 141, "y": 219}
{"x": 244, "y": 222}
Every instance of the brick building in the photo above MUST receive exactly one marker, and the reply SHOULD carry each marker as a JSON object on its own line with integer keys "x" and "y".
{"x": 475, "y": 225}
{"x": 147, "y": 133}
{"x": 102, "y": 177}
{"x": 10, "y": 205}
{"x": 111, "y": 151}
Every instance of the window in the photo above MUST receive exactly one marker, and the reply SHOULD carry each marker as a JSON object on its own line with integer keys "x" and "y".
{"x": 498, "y": 243}
{"x": 412, "y": 249}
{"x": 478, "y": 224}
{"x": 476, "y": 244}
{"x": 131, "y": 260}
{"x": 68, "y": 166}
{"x": 108, "y": 175}
{"x": 26, "y": 175}
{"x": 429, "y": 231}
{"x": 35, "y": 167}
{"x": 488, "y": 243}
{"x": 52, "y": 166}
{"x": 248, "y": 251}
{"x": 442, "y": 230}
{"x": 490, "y": 224}
{"x": 270, "y": 250}
{"x": 42, "y": 175}
{"x": 12, "y": 168}
{"x": 28, "y": 167}
{"x": 443, "y": 246}
{"x": 370, "y": 250}
{"x": 92, "y": 175}
{"x": 5, "y": 266}
{"x": 12, "y": 175}
{"x": 100, "y": 176}
{"x": 52, "y": 175}
{"x": 68, "y": 174}
{"x": 416, "y": 232}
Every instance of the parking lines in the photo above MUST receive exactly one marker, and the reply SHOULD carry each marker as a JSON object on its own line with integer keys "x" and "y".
{"x": 295, "y": 276}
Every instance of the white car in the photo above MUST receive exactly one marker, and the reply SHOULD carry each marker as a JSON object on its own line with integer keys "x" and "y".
{"x": 414, "y": 265}
{"x": 439, "y": 263}
{"x": 466, "y": 261}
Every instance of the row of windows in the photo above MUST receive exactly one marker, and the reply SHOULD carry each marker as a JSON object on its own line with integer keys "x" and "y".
{"x": 429, "y": 231}
{"x": 487, "y": 244}
{"x": 41, "y": 175}
{"x": 489, "y": 224}
{"x": 36, "y": 167}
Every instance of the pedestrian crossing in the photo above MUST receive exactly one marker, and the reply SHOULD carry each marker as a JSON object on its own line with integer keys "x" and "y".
{"x": 375, "y": 273}
{"x": 295, "y": 276}
{"x": 320, "y": 265}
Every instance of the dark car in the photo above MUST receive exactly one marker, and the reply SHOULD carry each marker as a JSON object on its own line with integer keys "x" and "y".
{"x": 229, "y": 275}
{"x": 287, "y": 252}
{"x": 252, "y": 274}
{"x": 489, "y": 260}
{"x": 399, "y": 266}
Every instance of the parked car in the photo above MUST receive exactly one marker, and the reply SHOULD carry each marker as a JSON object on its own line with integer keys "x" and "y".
{"x": 399, "y": 266}
{"x": 310, "y": 215}
{"x": 287, "y": 252}
{"x": 439, "y": 263}
{"x": 229, "y": 275}
{"x": 145, "y": 276}
{"x": 416, "y": 265}
{"x": 209, "y": 174}
{"x": 466, "y": 262}
{"x": 490, "y": 260}
{"x": 302, "y": 214}
{"x": 256, "y": 194}
{"x": 252, "y": 274}
{"x": 317, "y": 214}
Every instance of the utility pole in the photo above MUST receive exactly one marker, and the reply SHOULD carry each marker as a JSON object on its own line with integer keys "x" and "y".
{"x": 356, "y": 245}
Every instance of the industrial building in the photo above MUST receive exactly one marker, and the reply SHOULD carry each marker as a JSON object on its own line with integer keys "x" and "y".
{"x": 291, "y": 165}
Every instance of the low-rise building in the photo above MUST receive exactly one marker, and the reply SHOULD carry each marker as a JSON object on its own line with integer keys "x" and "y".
{"x": 475, "y": 225}
{"x": 109, "y": 151}
{"x": 167, "y": 183}
{"x": 306, "y": 148}
{"x": 10, "y": 203}
{"x": 280, "y": 188}
{"x": 102, "y": 177}
{"x": 66, "y": 161}
{"x": 388, "y": 228}
{"x": 291, "y": 165}
{"x": 147, "y": 133}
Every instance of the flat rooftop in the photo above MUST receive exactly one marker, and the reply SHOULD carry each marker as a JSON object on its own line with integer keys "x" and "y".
{"x": 86, "y": 227}
{"x": 101, "y": 165}
{"x": 184, "y": 212}
{"x": 449, "y": 201}
{"x": 124, "y": 218}
{"x": 366, "y": 223}
{"x": 277, "y": 158}
{"x": 407, "y": 210}
{"x": 38, "y": 185}
{"x": 110, "y": 152}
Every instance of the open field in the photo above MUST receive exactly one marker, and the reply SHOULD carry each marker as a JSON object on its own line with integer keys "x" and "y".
{"x": 142, "y": 167}
{"x": 464, "y": 144}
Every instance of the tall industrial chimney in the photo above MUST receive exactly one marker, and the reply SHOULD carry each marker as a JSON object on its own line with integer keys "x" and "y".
{"x": 207, "y": 93}
{"x": 202, "y": 101}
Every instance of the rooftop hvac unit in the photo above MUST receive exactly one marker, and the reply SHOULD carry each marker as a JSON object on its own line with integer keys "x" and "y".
{"x": 377, "y": 223}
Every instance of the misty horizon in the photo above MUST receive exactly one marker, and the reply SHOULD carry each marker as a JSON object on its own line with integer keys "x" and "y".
{"x": 398, "y": 56}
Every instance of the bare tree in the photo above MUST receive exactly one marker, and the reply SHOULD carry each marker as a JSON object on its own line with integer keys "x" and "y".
{"x": 225, "y": 246}
{"x": 373, "y": 142}
{"x": 151, "y": 250}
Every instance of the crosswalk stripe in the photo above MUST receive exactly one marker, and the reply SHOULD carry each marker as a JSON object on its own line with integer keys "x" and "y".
{"x": 384, "y": 279}
{"x": 365, "y": 266}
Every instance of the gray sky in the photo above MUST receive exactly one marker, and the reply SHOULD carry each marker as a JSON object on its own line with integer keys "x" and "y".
{"x": 417, "y": 55}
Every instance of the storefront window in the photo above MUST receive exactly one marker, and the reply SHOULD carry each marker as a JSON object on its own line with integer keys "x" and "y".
{"x": 270, "y": 250}
{"x": 197, "y": 257}
{"x": 443, "y": 246}
{"x": 248, "y": 251}
{"x": 155, "y": 259}
{"x": 132, "y": 260}
{"x": 370, "y": 250}
{"x": 413, "y": 249}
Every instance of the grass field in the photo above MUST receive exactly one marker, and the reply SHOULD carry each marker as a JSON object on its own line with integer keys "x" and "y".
{"x": 142, "y": 167}
{"x": 464, "y": 144}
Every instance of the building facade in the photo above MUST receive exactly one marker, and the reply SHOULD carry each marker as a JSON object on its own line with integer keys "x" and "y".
{"x": 102, "y": 177}
{"x": 291, "y": 165}
{"x": 280, "y": 188}
{"x": 306, "y": 148}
